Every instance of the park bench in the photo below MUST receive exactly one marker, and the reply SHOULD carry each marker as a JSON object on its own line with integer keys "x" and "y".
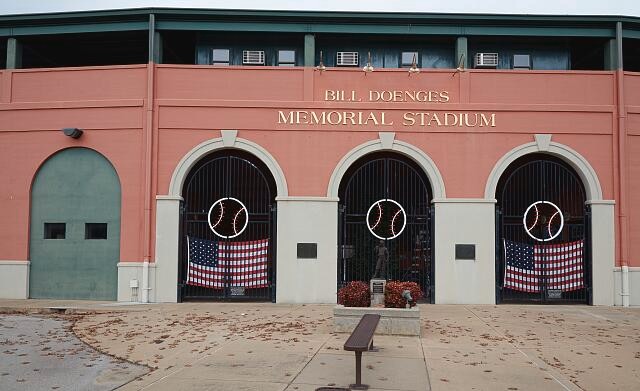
{"x": 361, "y": 340}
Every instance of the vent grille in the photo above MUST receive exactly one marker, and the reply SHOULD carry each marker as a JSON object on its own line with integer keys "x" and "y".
{"x": 486, "y": 60}
{"x": 347, "y": 59}
{"x": 253, "y": 57}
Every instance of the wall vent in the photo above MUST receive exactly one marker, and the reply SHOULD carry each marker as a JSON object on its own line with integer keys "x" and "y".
{"x": 348, "y": 59}
{"x": 486, "y": 60}
{"x": 253, "y": 57}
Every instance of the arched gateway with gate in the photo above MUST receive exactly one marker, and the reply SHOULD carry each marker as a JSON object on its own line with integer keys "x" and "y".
{"x": 228, "y": 230}
{"x": 385, "y": 199}
{"x": 542, "y": 235}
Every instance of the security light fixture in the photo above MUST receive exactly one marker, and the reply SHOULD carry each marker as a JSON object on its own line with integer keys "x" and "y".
{"x": 414, "y": 66}
{"x": 321, "y": 66}
{"x": 72, "y": 132}
{"x": 368, "y": 68}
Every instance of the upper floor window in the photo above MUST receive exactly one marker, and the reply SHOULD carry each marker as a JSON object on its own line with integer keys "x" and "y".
{"x": 220, "y": 57}
{"x": 408, "y": 58}
{"x": 521, "y": 61}
{"x": 286, "y": 58}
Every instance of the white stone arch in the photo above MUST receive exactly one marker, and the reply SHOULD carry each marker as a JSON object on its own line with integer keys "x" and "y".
{"x": 227, "y": 141}
{"x": 387, "y": 142}
{"x": 582, "y": 167}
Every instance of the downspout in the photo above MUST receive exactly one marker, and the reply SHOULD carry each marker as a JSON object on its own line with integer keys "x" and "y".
{"x": 148, "y": 149}
{"x": 622, "y": 162}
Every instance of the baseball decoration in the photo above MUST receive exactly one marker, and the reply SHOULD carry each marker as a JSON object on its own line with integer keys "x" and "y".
{"x": 386, "y": 219}
{"x": 228, "y": 217}
{"x": 543, "y": 221}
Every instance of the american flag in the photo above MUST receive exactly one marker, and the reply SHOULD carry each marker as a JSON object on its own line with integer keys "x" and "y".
{"x": 221, "y": 264}
{"x": 559, "y": 266}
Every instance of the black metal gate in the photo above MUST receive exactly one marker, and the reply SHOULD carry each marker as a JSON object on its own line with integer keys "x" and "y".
{"x": 385, "y": 200}
{"x": 227, "y": 239}
{"x": 542, "y": 241}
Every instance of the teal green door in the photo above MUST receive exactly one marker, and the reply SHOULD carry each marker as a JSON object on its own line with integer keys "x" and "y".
{"x": 75, "y": 227}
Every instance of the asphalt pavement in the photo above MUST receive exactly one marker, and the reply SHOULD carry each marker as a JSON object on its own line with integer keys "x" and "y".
{"x": 41, "y": 353}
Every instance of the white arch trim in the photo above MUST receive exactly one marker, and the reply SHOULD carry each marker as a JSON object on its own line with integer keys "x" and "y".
{"x": 193, "y": 156}
{"x": 417, "y": 155}
{"x": 573, "y": 158}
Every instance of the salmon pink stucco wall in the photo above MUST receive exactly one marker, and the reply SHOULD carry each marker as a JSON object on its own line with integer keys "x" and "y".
{"x": 632, "y": 101}
{"x": 193, "y": 103}
{"x": 107, "y": 103}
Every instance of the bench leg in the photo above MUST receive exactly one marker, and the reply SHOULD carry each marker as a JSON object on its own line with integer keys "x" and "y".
{"x": 372, "y": 348}
{"x": 358, "y": 385}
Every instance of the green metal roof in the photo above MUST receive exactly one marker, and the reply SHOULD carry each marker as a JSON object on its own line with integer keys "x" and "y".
{"x": 318, "y": 22}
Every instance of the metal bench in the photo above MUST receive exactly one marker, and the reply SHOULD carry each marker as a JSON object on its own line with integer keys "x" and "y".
{"x": 361, "y": 340}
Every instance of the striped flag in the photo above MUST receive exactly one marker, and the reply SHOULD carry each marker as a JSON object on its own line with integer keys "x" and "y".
{"x": 221, "y": 264}
{"x": 559, "y": 266}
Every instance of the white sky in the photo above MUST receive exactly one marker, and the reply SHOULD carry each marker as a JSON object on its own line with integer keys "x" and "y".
{"x": 549, "y": 7}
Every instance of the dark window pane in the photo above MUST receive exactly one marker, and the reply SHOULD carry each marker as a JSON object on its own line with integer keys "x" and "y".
{"x": 95, "y": 231}
{"x": 55, "y": 230}
{"x": 407, "y": 58}
{"x": 220, "y": 56}
{"x": 286, "y": 57}
{"x": 521, "y": 61}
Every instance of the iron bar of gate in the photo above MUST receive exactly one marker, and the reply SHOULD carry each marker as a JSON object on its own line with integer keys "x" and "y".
{"x": 411, "y": 252}
{"x": 236, "y": 177}
{"x": 544, "y": 179}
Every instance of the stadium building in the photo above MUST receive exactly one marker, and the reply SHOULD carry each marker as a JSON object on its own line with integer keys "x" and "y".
{"x": 164, "y": 155}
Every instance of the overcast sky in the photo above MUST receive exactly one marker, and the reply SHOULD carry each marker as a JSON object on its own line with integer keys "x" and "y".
{"x": 553, "y": 7}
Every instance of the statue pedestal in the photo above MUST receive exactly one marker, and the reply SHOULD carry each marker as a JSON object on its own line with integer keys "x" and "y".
{"x": 377, "y": 286}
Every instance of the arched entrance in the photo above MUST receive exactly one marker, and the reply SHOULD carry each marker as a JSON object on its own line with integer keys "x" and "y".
{"x": 385, "y": 200}
{"x": 542, "y": 235}
{"x": 228, "y": 230}
{"x": 74, "y": 243}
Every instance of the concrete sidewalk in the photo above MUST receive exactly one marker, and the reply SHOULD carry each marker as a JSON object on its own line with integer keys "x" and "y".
{"x": 255, "y": 346}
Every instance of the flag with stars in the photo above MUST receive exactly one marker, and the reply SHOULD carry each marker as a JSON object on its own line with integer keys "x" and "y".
{"x": 220, "y": 264}
{"x": 558, "y": 266}
{"x": 520, "y": 272}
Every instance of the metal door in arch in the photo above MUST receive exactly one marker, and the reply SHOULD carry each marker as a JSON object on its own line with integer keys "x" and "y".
{"x": 543, "y": 247}
{"x": 228, "y": 230}
{"x": 74, "y": 245}
{"x": 385, "y": 201}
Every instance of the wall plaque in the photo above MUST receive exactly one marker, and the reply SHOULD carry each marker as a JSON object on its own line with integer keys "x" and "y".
{"x": 307, "y": 250}
{"x": 466, "y": 251}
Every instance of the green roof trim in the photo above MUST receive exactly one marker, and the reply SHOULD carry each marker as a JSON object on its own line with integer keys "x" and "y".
{"x": 318, "y": 22}
{"x": 76, "y": 28}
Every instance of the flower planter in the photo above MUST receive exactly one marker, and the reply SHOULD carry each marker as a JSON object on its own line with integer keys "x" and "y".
{"x": 399, "y": 321}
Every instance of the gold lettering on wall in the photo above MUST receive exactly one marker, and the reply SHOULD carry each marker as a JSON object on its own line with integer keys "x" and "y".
{"x": 383, "y": 118}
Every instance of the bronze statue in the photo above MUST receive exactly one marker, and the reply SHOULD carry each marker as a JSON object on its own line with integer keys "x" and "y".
{"x": 382, "y": 255}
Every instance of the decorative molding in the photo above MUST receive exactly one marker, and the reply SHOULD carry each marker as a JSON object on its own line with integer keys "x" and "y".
{"x": 201, "y": 150}
{"x": 136, "y": 264}
{"x": 309, "y": 199}
{"x": 403, "y": 148}
{"x": 14, "y": 262}
{"x": 618, "y": 269}
{"x": 574, "y": 159}
{"x": 464, "y": 201}
{"x": 543, "y": 141}
{"x": 386, "y": 139}
{"x": 169, "y": 198}
{"x": 601, "y": 202}
{"x": 229, "y": 137}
